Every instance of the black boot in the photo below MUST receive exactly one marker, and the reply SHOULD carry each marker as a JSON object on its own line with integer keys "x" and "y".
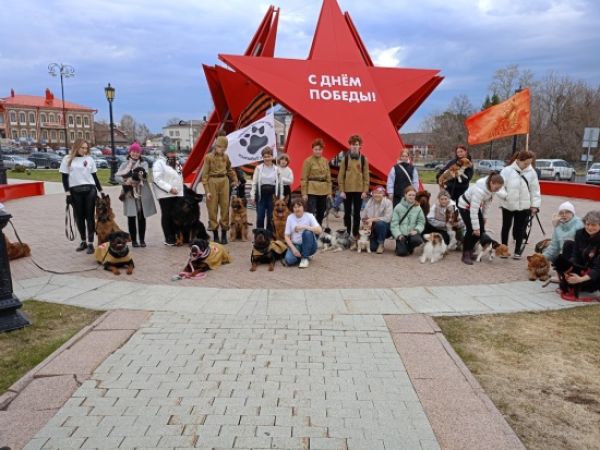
{"x": 223, "y": 237}
{"x": 216, "y": 236}
{"x": 467, "y": 257}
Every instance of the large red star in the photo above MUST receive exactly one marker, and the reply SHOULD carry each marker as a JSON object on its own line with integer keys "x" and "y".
{"x": 337, "y": 92}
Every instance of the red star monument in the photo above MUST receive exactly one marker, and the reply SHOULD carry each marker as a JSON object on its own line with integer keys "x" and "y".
{"x": 338, "y": 92}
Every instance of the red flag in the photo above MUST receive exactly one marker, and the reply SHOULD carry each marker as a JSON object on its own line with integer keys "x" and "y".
{"x": 504, "y": 119}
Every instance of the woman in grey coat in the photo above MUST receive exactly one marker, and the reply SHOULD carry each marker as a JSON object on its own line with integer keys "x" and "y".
{"x": 137, "y": 198}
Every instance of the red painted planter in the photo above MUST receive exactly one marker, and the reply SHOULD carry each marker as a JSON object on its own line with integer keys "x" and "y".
{"x": 15, "y": 191}
{"x": 573, "y": 190}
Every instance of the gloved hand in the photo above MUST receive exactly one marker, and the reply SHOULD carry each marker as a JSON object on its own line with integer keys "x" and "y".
{"x": 68, "y": 199}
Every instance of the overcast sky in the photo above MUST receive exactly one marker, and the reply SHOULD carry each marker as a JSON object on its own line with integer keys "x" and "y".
{"x": 152, "y": 51}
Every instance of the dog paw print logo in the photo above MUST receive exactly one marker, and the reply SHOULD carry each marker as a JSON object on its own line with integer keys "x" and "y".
{"x": 254, "y": 140}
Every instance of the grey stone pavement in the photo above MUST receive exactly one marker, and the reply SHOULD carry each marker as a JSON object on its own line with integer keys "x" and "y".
{"x": 322, "y": 358}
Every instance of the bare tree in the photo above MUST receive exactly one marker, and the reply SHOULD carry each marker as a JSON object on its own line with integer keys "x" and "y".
{"x": 173, "y": 121}
{"x": 506, "y": 81}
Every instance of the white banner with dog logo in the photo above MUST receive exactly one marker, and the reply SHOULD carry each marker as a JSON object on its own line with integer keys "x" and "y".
{"x": 246, "y": 144}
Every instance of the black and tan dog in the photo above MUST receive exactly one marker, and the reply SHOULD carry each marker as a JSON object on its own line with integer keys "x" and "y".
{"x": 280, "y": 215}
{"x": 204, "y": 256}
{"x": 115, "y": 253}
{"x": 238, "y": 223}
{"x": 186, "y": 217}
{"x": 105, "y": 219}
{"x": 265, "y": 250}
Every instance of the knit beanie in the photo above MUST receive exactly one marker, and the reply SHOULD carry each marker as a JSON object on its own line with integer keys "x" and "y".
{"x": 222, "y": 141}
{"x": 567, "y": 206}
{"x": 135, "y": 148}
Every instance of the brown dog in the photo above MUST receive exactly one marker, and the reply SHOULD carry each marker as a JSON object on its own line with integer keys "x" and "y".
{"x": 105, "y": 219}
{"x": 422, "y": 199}
{"x": 538, "y": 267}
{"x": 16, "y": 250}
{"x": 280, "y": 215}
{"x": 238, "y": 225}
{"x": 456, "y": 170}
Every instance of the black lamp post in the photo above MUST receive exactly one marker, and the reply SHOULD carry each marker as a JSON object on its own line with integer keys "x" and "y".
{"x": 2, "y": 168}
{"x": 10, "y": 317}
{"x": 514, "y": 144}
{"x": 110, "y": 96}
{"x": 64, "y": 71}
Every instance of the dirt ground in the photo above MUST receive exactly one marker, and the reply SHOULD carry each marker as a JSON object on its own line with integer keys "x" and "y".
{"x": 540, "y": 369}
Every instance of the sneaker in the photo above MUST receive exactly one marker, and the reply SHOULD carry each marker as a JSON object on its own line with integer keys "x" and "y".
{"x": 90, "y": 249}
{"x": 135, "y": 244}
{"x": 516, "y": 256}
{"x": 81, "y": 247}
{"x": 379, "y": 249}
{"x": 142, "y": 244}
{"x": 303, "y": 263}
{"x": 170, "y": 244}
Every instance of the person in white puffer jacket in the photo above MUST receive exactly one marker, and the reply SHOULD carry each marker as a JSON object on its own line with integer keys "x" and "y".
{"x": 523, "y": 198}
{"x": 168, "y": 186}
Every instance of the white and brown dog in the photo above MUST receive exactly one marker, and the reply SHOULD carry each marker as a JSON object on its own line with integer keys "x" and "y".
{"x": 490, "y": 248}
{"x": 363, "y": 242}
{"x": 434, "y": 249}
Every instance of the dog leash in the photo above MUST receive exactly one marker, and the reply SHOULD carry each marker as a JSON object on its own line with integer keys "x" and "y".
{"x": 68, "y": 224}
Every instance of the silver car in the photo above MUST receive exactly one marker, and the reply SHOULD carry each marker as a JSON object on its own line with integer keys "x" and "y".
{"x": 593, "y": 174}
{"x": 12, "y": 161}
{"x": 555, "y": 169}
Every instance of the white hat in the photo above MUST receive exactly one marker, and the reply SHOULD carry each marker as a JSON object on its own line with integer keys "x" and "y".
{"x": 567, "y": 206}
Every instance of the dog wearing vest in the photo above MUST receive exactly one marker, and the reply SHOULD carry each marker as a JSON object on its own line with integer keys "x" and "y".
{"x": 265, "y": 250}
{"x": 115, "y": 253}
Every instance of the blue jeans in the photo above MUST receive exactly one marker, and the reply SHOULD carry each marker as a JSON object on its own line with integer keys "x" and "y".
{"x": 379, "y": 233}
{"x": 264, "y": 207}
{"x": 306, "y": 249}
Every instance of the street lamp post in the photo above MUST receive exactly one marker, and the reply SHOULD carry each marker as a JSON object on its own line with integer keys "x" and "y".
{"x": 514, "y": 143}
{"x": 2, "y": 168}
{"x": 109, "y": 91}
{"x": 64, "y": 71}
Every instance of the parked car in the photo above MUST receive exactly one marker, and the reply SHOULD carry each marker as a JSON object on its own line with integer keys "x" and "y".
{"x": 432, "y": 164}
{"x": 554, "y": 169}
{"x": 45, "y": 160}
{"x": 485, "y": 166}
{"x": 96, "y": 151}
{"x": 101, "y": 163}
{"x": 149, "y": 159}
{"x": 12, "y": 161}
{"x": 593, "y": 174}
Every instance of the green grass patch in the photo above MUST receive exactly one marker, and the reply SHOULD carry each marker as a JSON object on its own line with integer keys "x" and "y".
{"x": 52, "y": 325}
{"x": 52, "y": 175}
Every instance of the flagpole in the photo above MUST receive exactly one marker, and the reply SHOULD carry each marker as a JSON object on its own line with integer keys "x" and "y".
{"x": 527, "y": 142}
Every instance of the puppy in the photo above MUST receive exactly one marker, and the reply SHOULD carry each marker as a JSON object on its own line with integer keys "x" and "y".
{"x": 453, "y": 228}
{"x": 16, "y": 250}
{"x": 115, "y": 253}
{"x": 186, "y": 218}
{"x": 456, "y": 170}
{"x": 434, "y": 249}
{"x": 538, "y": 267}
{"x": 490, "y": 248}
{"x": 326, "y": 240}
{"x": 238, "y": 225}
{"x": 280, "y": 215}
{"x": 105, "y": 219}
{"x": 265, "y": 249}
{"x": 422, "y": 199}
{"x": 542, "y": 245}
{"x": 363, "y": 242}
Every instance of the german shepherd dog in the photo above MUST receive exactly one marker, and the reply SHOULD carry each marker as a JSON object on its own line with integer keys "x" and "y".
{"x": 238, "y": 226}
{"x": 280, "y": 215}
{"x": 186, "y": 217}
{"x": 105, "y": 219}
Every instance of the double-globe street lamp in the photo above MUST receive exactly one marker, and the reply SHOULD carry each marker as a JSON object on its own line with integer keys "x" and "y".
{"x": 64, "y": 71}
{"x": 109, "y": 91}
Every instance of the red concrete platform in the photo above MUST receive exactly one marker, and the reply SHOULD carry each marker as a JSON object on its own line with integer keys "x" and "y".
{"x": 20, "y": 190}
{"x": 573, "y": 190}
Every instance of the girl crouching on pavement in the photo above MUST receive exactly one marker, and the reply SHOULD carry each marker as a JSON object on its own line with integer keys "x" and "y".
{"x": 473, "y": 206}
{"x": 377, "y": 214}
{"x": 440, "y": 212}
{"x": 408, "y": 222}
{"x": 300, "y": 230}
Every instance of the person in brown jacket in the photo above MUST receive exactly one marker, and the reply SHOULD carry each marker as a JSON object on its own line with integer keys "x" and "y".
{"x": 353, "y": 182}
{"x": 315, "y": 182}
{"x": 216, "y": 175}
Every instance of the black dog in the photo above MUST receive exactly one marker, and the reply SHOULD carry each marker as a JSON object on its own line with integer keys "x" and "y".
{"x": 115, "y": 253}
{"x": 265, "y": 249}
{"x": 564, "y": 267}
{"x": 186, "y": 217}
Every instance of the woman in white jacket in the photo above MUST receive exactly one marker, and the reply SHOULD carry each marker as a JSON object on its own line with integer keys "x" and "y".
{"x": 168, "y": 186}
{"x": 522, "y": 199}
{"x": 266, "y": 184}
{"x": 473, "y": 206}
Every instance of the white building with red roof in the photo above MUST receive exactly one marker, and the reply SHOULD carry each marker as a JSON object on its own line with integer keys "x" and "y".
{"x": 40, "y": 120}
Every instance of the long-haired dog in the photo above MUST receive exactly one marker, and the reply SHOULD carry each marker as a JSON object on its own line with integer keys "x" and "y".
{"x": 186, "y": 218}
{"x": 280, "y": 215}
{"x": 265, "y": 249}
{"x": 453, "y": 228}
{"x": 542, "y": 245}
{"x": 105, "y": 219}
{"x": 115, "y": 253}
{"x": 565, "y": 268}
{"x": 363, "y": 242}
{"x": 490, "y": 248}
{"x": 338, "y": 241}
{"x": 434, "y": 249}
{"x": 422, "y": 199}
{"x": 538, "y": 267}
{"x": 238, "y": 224}
{"x": 455, "y": 171}
{"x": 16, "y": 250}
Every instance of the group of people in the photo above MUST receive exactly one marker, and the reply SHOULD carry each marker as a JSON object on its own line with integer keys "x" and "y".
{"x": 393, "y": 214}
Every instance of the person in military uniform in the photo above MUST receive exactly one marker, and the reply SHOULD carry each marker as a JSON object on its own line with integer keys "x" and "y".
{"x": 216, "y": 176}
{"x": 315, "y": 182}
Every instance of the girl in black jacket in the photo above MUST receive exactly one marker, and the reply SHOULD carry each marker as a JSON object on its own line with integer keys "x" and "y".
{"x": 457, "y": 187}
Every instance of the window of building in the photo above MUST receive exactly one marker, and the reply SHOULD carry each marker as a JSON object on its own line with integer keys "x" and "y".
{"x": 51, "y": 118}
{"x": 45, "y": 135}
{"x": 53, "y": 135}
{"x": 2, "y": 118}
{"x": 86, "y": 121}
{"x": 24, "y": 133}
{"x": 15, "y": 134}
{"x": 22, "y": 117}
{"x": 72, "y": 135}
{"x": 71, "y": 122}
{"x": 87, "y": 135}
{"x": 80, "y": 134}
{"x": 43, "y": 118}
{"x": 33, "y": 135}
{"x": 78, "y": 121}
{"x": 61, "y": 135}
{"x": 13, "y": 117}
{"x": 171, "y": 133}
{"x": 31, "y": 118}
{"x": 177, "y": 133}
